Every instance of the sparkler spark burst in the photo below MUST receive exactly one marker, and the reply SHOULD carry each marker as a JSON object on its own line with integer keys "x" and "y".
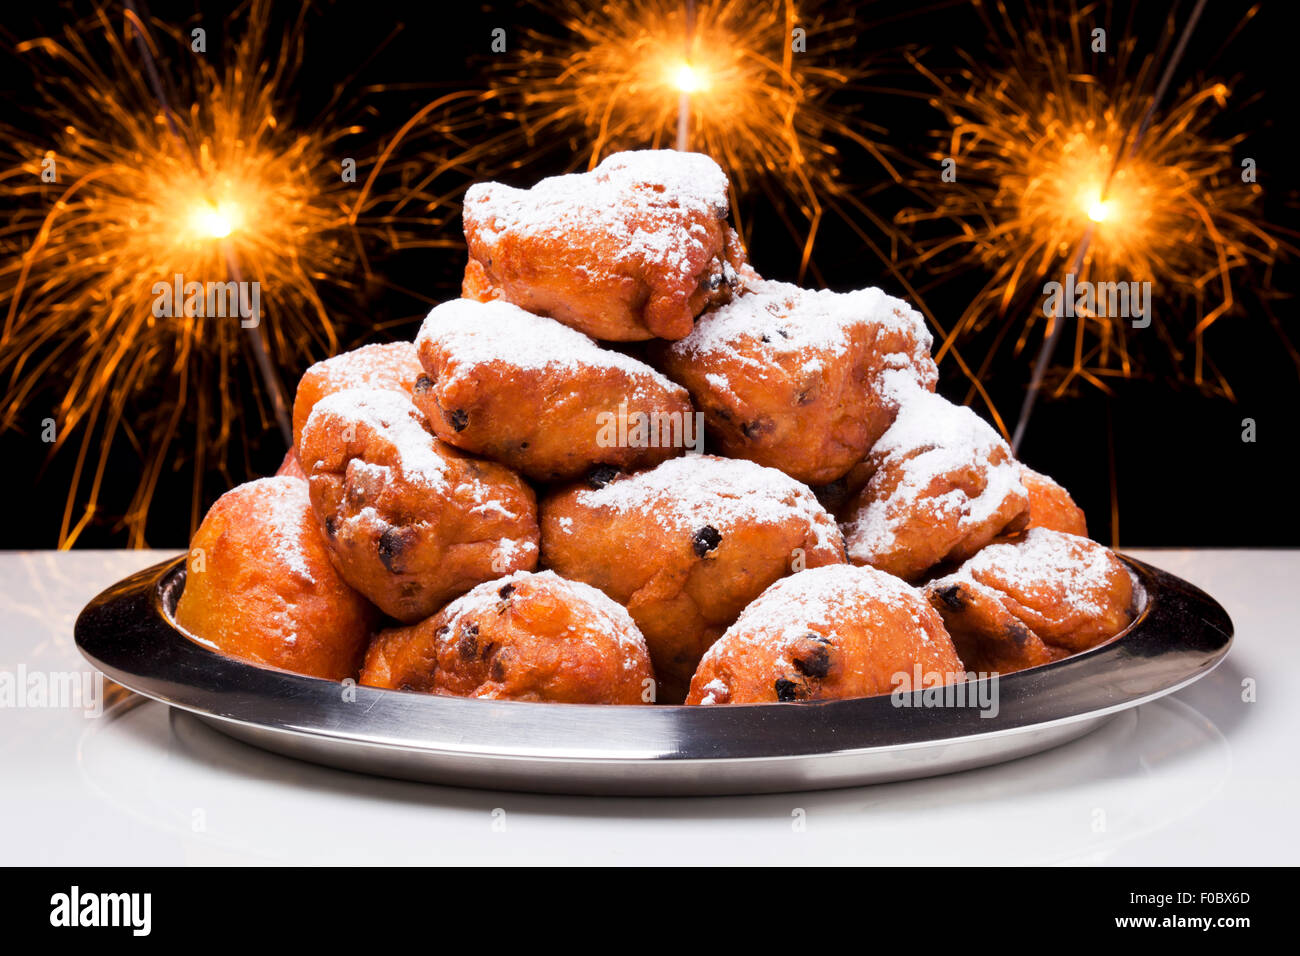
{"x": 1047, "y": 151}
{"x": 614, "y": 78}
{"x": 689, "y": 79}
{"x": 214, "y": 184}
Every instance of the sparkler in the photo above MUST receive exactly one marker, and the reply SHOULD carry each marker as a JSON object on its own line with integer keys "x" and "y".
{"x": 718, "y": 77}
{"x": 688, "y": 81}
{"x": 210, "y": 181}
{"x": 221, "y": 184}
{"x": 1065, "y": 168}
{"x": 1100, "y": 207}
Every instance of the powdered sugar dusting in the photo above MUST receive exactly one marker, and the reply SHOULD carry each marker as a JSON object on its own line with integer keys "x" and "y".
{"x": 634, "y": 197}
{"x": 1074, "y": 571}
{"x": 714, "y": 691}
{"x": 490, "y": 507}
{"x": 396, "y": 420}
{"x": 509, "y": 551}
{"x": 371, "y": 366}
{"x": 707, "y": 490}
{"x": 288, "y": 511}
{"x": 610, "y": 616}
{"x": 474, "y": 333}
{"x": 783, "y": 614}
{"x": 933, "y": 437}
{"x": 775, "y": 319}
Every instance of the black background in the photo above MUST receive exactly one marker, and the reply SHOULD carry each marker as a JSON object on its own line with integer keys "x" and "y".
{"x": 1181, "y": 474}
{"x": 273, "y": 899}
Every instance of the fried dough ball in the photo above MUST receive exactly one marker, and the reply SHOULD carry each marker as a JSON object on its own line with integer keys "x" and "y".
{"x": 527, "y": 636}
{"x": 828, "y": 633}
{"x": 475, "y": 284}
{"x": 1050, "y": 505}
{"x": 541, "y": 397}
{"x": 1034, "y": 599}
{"x": 800, "y": 380}
{"x": 685, "y": 546}
{"x": 411, "y": 522}
{"x": 260, "y": 585}
{"x": 393, "y": 366}
{"x": 634, "y": 249}
{"x": 942, "y": 484}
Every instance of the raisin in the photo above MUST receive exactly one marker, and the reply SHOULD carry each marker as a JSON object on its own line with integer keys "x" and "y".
{"x": 817, "y": 664}
{"x": 1019, "y": 634}
{"x": 601, "y": 475}
{"x": 423, "y": 383}
{"x": 951, "y": 596}
{"x": 506, "y": 590}
{"x": 786, "y": 690}
{"x": 705, "y": 540}
{"x": 467, "y": 646}
{"x": 459, "y": 418}
{"x": 391, "y": 545}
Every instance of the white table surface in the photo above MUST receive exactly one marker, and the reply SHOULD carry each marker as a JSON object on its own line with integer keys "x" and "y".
{"x": 1202, "y": 777}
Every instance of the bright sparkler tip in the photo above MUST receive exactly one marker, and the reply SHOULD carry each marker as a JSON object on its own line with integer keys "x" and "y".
{"x": 688, "y": 79}
{"x": 1070, "y": 171}
{"x": 215, "y": 222}
{"x": 1099, "y": 210}
{"x": 221, "y": 192}
{"x": 217, "y": 226}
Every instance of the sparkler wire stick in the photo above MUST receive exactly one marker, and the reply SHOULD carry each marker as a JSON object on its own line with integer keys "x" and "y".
{"x": 260, "y": 351}
{"x": 1057, "y": 323}
{"x": 684, "y": 97}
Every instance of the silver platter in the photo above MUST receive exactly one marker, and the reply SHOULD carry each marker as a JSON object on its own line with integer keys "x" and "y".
{"x": 128, "y": 632}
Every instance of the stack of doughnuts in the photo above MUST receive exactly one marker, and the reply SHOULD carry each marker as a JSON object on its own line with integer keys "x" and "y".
{"x": 623, "y": 468}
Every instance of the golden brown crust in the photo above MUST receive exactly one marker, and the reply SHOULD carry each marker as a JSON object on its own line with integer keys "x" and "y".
{"x": 392, "y": 366}
{"x": 410, "y": 521}
{"x": 941, "y": 484}
{"x": 475, "y": 285}
{"x": 413, "y": 457}
{"x": 1050, "y": 505}
{"x": 260, "y": 585}
{"x": 800, "y": 380}
{"x": 543, "y": 398}
{"x": 402, "y": 658}
{"x": 830, "y": 633}
{"x": 530, "y": 637}
{"x": 634, "y": 249}
{"x": 685, "y": 546}
{"x": 1034, "y": 599}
